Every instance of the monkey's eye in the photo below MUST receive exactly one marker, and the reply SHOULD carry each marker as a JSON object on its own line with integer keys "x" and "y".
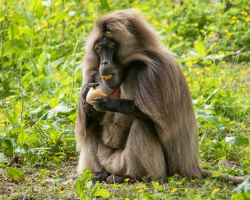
{"x": 99, "y": 48}
{"x": 110, "y": 46}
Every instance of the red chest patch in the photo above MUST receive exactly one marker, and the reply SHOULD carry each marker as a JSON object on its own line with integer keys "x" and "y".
{"x": 116, "y": 94}
{"x": 112, "y": 157}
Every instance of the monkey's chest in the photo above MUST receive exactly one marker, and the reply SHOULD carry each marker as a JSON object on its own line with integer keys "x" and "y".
{"x": 116, "y": 129}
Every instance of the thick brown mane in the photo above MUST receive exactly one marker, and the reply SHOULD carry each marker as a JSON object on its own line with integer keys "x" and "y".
{"x": 165, "y": 142}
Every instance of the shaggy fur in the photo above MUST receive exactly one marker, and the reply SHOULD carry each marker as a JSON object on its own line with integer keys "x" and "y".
{"x": 166, "y": 144}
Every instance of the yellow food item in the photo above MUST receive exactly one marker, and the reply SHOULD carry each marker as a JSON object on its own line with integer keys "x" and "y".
{"x": 94, "y": 93}
{"x": 107, "y": 77}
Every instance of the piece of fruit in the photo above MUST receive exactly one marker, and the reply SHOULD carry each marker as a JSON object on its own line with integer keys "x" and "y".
{"x": 107, "y": 77}
{"x": 94, "y": 93}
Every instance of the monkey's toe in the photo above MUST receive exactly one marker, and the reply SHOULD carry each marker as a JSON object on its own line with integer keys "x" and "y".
{"x": 112, "y": 179}
{"x": 100, "y": 176}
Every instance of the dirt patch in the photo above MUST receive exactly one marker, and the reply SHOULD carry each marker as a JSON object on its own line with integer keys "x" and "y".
{"x": 47, "y": 182}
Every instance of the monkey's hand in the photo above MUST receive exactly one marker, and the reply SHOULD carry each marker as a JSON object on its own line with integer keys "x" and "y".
{"x": 86, "y": 88}
{"x": 103, "y": 104}
{"x": 123, "y": 106}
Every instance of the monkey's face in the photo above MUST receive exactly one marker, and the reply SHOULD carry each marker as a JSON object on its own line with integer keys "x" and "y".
{"x": 111, "y": 72}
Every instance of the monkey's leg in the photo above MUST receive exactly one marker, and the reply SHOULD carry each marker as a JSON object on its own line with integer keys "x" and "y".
{"x": 142, "y": 156}
{"x": 87, "y": 158}
{"x": 88, "y": 132}
{"x": 88, "y": 155}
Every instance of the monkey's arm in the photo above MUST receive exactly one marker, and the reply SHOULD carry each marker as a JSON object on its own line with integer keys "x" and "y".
{"x": 91, "y": 115}
{"x": 124, "y": 106}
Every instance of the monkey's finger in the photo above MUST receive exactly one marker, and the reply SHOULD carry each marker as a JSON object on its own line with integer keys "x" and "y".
{"x": 98, "y": 100}
{"x": 86, "y": 88}
{"x": 93, "y": 102}
{"x": 94, "y": 85}
{"x": 97, "y": 108}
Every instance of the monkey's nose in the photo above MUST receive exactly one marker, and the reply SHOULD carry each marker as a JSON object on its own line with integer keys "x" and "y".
{"x": 105, "y": 62}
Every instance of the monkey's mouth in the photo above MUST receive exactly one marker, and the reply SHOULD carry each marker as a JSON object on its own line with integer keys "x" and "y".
{"x": 105, "y": 78}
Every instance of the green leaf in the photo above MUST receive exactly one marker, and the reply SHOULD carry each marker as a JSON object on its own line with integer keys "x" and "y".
{"x": 215, "y": 91}
{"x": 62, "y": 108}
{"x": 3, "y": 159}
{"x": 57, "y": 126}
{"x": 96, "y": 187}
{"x": 155, "y": 184}
{"x": 22, "y": 137}
{"x": 11, "y": 32}
{"x": 12, "y": 46}
{"x": 9, "y": 48}
{"x": 86, "y": 175}
{"x": 244, "y": 196}
{"x": 79, "y": 189}
{"x": 54, "y": 102}
{"x": 2, "y": 165}
{"x": 201, "y": 50}
{"x": 176, "y": 46}
{"x": 59, "y": 16}
{"x": 29, "y": 18}
{"x": 32, "y": 138}
{"x": 69, "y": 138}
{"x": 238, "y": 140}
{"x": 243, "y": 190}
{"x": 42, "y": 173}
{"x": 55, "y": 179}
{"x": 57, "y": 161}
{"x": 220, "y": 152}
{"x": 32, "y": 65}
{"x": 41, "y": 61}
{"x": 72, "y": 117}
{"x": 7, "y": 147}
{"x": 214, "y": 56}
{"x": 15, "y": 173}
{"x": 16, "y": 110}
{"x": 26, "y": 76}
{"x": 210, "y": 118}
{"x": 102, "y": 193}
{"x": 58, "y": 61}
{"x": 12, "y": 118}
{"x": 34, "y": 5}
{"x": 81, "y": 183}
{"x": 105, "y": 5}
{"x": 195, "y": 197}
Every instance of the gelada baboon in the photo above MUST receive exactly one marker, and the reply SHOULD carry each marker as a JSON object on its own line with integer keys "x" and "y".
{"x": 145, "y": 125}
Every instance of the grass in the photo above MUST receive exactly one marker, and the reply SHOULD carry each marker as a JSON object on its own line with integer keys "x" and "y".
{"x": 58, "y": 182}
{"x": 41, "y": 52}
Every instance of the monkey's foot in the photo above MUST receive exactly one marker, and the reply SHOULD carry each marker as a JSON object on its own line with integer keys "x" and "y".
{"x": 100, "y": 176}
{"x": 112, "y": 179}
